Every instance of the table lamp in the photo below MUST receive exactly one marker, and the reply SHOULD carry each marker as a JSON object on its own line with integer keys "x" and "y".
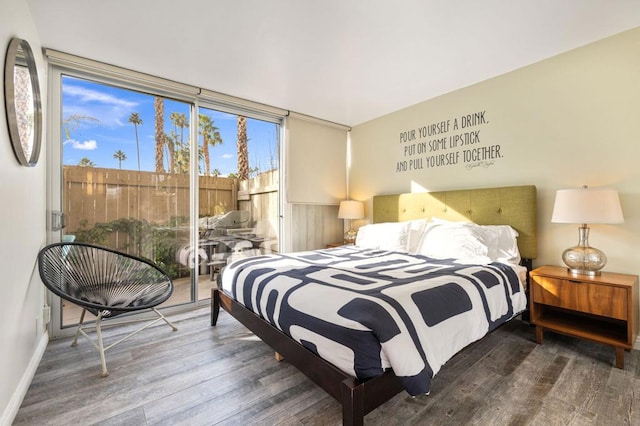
{"x": 583, "y": 206}
{"x": 350, "y": 209}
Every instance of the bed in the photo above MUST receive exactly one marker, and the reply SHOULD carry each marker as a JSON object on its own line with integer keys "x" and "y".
{"x": 368, "y": 361}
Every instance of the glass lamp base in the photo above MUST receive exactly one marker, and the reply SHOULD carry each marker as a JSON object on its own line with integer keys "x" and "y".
{"x": 350, "y": 236}
{"x": 584, "y": 260}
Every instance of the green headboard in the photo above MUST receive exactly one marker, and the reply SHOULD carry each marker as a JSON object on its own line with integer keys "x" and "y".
{"x": 511, "y": 205}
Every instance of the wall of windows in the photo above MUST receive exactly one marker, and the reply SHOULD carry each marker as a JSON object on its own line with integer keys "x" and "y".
{"x": 160, "y": 171}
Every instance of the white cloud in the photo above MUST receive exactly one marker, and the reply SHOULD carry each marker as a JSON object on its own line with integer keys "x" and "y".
{"x": 88, "y": 95}
{"x": 227, "y": 155}
{"x": 109, "y": 110}
{"x": 89, "y": 145}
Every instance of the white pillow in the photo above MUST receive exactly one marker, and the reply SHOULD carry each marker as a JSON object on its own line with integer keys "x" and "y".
{"x": 392, "y": 236}
{"x": 502, "y": 242}
{"x": 454, "y": 240}
{"x": 416, "y": 229}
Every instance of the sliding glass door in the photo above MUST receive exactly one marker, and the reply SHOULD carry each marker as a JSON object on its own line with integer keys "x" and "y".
{"x": 125, "y": 177}
{"x": 188, "y": 186}
{"x": 238, "y": 196}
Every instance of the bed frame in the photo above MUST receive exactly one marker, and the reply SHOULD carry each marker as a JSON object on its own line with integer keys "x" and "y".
{"x": 515, "y": 206}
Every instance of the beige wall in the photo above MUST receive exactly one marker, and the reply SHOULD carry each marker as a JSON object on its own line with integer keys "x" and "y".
{"x": 22, "y": 233}
{"x": 569, "y": 120}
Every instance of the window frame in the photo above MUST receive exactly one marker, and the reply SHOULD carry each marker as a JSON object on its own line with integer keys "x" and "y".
{"x": 61, "y": 64}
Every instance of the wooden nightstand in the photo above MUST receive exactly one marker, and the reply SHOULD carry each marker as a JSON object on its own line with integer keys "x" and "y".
{"x": 603, "y": 308}
{"x": 338, "y": 244}
{"x": 332, "y": 245}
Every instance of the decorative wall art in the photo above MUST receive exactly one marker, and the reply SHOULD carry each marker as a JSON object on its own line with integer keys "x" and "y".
{"x": 456, "y": 141}
{"x": 22, "y": 102}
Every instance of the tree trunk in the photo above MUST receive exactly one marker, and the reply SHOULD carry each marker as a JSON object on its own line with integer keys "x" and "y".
{"x": 243, "y": 150}
{"x": 159, "y": 136}
{"x": 207, "y": 160}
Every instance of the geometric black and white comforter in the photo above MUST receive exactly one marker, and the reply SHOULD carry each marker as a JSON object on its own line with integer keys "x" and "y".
{"x": 368, "y": 310}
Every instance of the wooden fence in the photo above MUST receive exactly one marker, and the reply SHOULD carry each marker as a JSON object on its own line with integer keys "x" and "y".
{"x": 94, "y": 195}
{"x": 259, "y": 196}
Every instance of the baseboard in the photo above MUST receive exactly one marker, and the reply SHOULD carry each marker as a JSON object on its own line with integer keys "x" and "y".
{"x": 11, "y": 411}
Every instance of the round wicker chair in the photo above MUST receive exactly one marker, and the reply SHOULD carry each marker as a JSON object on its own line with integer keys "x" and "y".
{"x": 104, "y": 282}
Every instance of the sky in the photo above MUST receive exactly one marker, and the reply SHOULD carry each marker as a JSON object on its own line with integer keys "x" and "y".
{"x": 105, "y": 129}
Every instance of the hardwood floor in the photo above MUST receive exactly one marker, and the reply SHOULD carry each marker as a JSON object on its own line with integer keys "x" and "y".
{"x": 202, "y": 375}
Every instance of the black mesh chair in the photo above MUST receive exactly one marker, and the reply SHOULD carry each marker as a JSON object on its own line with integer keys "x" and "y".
{"x": 104, "y": 282}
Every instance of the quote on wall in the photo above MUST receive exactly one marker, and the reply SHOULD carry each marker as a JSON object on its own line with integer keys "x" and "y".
{"x": 451, "y": 142}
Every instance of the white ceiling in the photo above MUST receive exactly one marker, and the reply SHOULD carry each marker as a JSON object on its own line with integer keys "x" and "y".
{"x": 346, "y": 61}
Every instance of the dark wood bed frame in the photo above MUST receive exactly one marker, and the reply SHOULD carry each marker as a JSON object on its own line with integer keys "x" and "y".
{"x": 357, "y": 397}
{"x": 484, "y": 206}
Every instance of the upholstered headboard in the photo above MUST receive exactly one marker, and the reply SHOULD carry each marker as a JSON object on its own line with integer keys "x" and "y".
{"x": 512, "y": 205}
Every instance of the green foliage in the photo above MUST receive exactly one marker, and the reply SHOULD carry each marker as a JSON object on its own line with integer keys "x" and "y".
{"x": 96, "y": 235}
{"x": 86, "y": 162}
{"x": 140, "y": 238}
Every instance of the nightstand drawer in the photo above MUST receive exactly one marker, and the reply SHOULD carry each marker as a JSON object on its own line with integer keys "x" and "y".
{"x": 607, "y": 301}
{"x": 597, "y": 299}
{"x": 554, "y": 292}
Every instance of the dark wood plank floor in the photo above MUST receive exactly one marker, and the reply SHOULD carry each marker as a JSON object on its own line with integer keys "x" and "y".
{"x": 202, "y": 375}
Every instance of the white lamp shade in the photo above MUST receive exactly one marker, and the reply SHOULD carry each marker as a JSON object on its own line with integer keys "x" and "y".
{"x": 586, "y": 205}
{"x": 351, "y": 209}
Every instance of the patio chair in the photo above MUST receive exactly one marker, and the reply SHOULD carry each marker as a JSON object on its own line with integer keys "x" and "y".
{"x": 104, "y": 282}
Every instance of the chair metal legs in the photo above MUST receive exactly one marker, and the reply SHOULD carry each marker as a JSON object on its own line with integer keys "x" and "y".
{"x": 100, "y": 347}
{"x": 98, "y": 344}
{"x": 75, "y": 339}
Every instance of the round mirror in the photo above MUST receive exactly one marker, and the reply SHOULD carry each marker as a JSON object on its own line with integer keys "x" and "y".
{"x": 22, "y": 102}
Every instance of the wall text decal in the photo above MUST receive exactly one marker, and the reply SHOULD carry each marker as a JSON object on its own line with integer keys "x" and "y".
{"x": 447, "y": 143}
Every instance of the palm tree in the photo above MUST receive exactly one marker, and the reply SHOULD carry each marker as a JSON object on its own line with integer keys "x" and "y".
{"x": 120, "y": 156}
{"x": 171, "y": 140}
{"x": 216, "y": 172}
{"x": 210, "y": 137}
{"x": 159, "y": 136}
{"x": 85, "y": 162}
{"x": 200, "y": 159}
{"x": 135, "y": 119}
{"x": 180, "y": 121}
{"x": 243, "y": 150}
{"x": 182, "y": 158}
